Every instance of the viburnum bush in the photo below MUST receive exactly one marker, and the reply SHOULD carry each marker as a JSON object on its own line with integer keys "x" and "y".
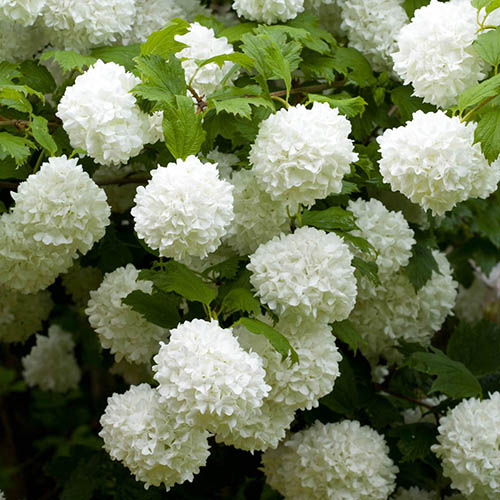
{"x": 250, "y": 249}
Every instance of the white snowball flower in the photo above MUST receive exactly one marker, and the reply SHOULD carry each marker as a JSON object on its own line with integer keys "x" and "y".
{"x": 414, "y": 493}
{"x": 435, "y": 53}
{"x": 24, "y": 12}
{"x": 139, "y": 432}
{"x": 434, "y": 162}
{"x": 207, "y": 378}
{"x": 62, "y": 205}
{"x": 468, "y": 447}
{"x": 372, "y": 27}
{"x": 302, "y": 384}
{"x": 268, "y": 11}
{"x": 121, "y": 329}
{"x": 201, "y": 43}
{"x": 301, "y": 155}
{"x": 329, "y": 13}
{"x": 78, "y": 25}
{"x": 224, "y": 161}
{"x": 387, "y": 231}
{"x": 18, "y": 43}
{"x": 332, "y": 461}
{"x": 51, "y": 364}
{"x": 28, "y": 265}
{"x": 184, "y": 210}
{"x": 257, "y": 218}
{"x": 308, "y": 272}
{"x": 22, "y": 315}
{"x": 392, "y": 311}
{"x": 101, "y": 116}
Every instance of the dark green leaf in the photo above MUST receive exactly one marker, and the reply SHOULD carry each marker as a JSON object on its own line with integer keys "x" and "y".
{"x": 421, "y": 266}
{"x": 414, "y": 440}
{"x": 410, "y": 6}
{"x": 477, "y": 347}
{"x": 357, "y": 241}
{"x": 8, "y": 71}
{"x": 121, "y": 54}
{"x": 241, "y": 299}
{"x": 345, "y": 331}
{"x": 159, "y": 307}
{"x": 453, "y": 378}
{"x": 41, "y": 134}
{"x": 162, "y": 43}
{"x": 319, "y": 40}
{"x": 37, "y": 77}
{"x": 407, "y": 103}
{"x": 353, "y": 64}
{"x": 68, "y": 60}
{"x": 487, "y": 45}
{"x": 330, "y": 219}
{"x": 225, "y": 270}
{"x": 277, "y": 340}
{"x": 368, "y": 269}
{"x": 17, "y": 147}
{"x": 349, "y": 107}
{"x": 9, "y": 169}
{"x": 176, "y": 277}
{"x": 486, "y": 220}
{"x": 487, "y": 133}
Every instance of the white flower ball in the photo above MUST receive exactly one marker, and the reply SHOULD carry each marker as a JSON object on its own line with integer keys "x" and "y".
{"x": 257, "y": 218}
{"x": 124, "y": 331}
{"x": 387, "y": 231}
{"x": 28, "y": 265}
{"x": 78, "y": 25}
{"x": 19, "y": 43}
{"x": 51, "y": 364}
{"x": 331, "y": 461}
{"x": 414, "y": 493}
{"x": 261, "y": 429}
{"x": 207, "y": 378}
{"x": 224, "y": 161}
{"x": 201, "y": 43}
{"x": 268, "y": 11}
{"x": 24, "y": 12}
{"x": 308, "y": 272}
{"x": 468, "y": 447}
{"x": 184, "y": 210}
{"x": 301, "y": 155}
{"x": 62, "y": 205}
{"x": 101, "y": 116}
{"x": 329, "y": 13}
{"x": 372, "y": 27}
{"x": 435, "y": 53}
{"x": 302, "y": 384}
{"x": 392, "y": 311}
{"x": 139, "y": 432}
{"x": 434, "y": 162}
{"x": 22, "y": 315}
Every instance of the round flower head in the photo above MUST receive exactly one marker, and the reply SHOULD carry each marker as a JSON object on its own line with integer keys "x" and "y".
{"x": 330, "y": 461}
{"x": 268, "y": 11}
{"x": 434, "y": 162}
{"x": 22, "y": 315}
{"x": 224, "y": 162}
{"x": 201, "y": 43}
{"x": 24, "y": 12}
{"x": 79, "y": 281}
{"x": 62, "y": 205}
{"x": 184, "y": 210}
{"x": 393, "y": 311}
{"x": 302, "y": 384}
{"x": 301, "y": 155}
{"x": 51, "y": 364}
{"x": 308, "y": 272}
{"x": 387, "y": 231}
{"x": 28, "y": 265}
{"x": 435, "y": 53}
{"x": 101, "y": 116}
{"x": 141, "y": 434}
{"x": 414, "y": 493}
{"x": 257, "y": 218}
{"x": 206, "y": 377}
{"x": 78, "y": 25}
{"x": 18, "y": 43}
{"x": 372, "y": 27}
{"x": 124, "y": 331}
{"x": 468, "y": 447}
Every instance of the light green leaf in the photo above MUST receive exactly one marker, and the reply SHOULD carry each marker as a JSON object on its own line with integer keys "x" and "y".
{"x": 15, "y": 99}
{"x": 474, "y": 95}
{"x": 354, "y": 65}
{"x": 330, "y": 219}
{"x": 162, "y": 43}
{"x": 159, "y": 307}
{"x": 41, "y": 134}
{"x": 234, "y": 33}
{"x": 349, "y": 107}
{"x": 121, "y": 54}
{"x": 319, "y": 40}
{"x": 487, "y": 45}
{"x": 17, "y": 147}
{"x": 277, "y": 340}
{"x": 68, "y": 60}
{"x": 240, "y": 299}
{"x": 8, "y": 72}
{"x": 345, "y": 331}
{"x": 165, "y": 73}
{"x": 226, "y": 269}
{"x": 240, "y": 105}
{"x": 487, "y": 133}
{"x": 235, "y": 57}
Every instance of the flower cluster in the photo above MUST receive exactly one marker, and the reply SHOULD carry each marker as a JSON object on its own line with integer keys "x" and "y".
{"x": 268, "y": 11}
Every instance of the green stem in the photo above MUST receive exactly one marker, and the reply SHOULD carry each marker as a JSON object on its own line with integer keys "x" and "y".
{"x": 279, "y": 99}
{"x": 478, "y": 107}
{"x": 41, "y": 156}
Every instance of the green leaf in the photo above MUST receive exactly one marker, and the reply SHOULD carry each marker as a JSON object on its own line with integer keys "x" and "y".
{"x": 240, "y": 299}
{"x": 368, "y": 269}
{"x": 165, "y": 73}
{"x": 121, "y": 54}
{"x": 330, "y": 219}
{"x": 234, "y": 33}
{"x": 37, "y": 77}
{"x": 235, "y": 57}
{"x": 162, "y": 43}
{"x": 15, "y": 99}
{"x": 8, "y": 71}
{"x": 410, "y": 6}
{"x": 319, "y": 40}
{"x": 477, "y": 347}
{"x": 357, "y": 241}
{"x": 421, "y": 265}
{"x": 414, "y": 440}
{"x": 209, "y": 22}
{"x": 277, "y": 340}
{"x": 241, "y": 105}
{"x": 176, "y": 277}
{"x": 159, "y": 307}
{"x": 453, "y": 378}
{"x": 225, "y": 270}
{"x": 84, "y": 479}
{"x": 487, "y": 45}
{"x": 68, "y": 60}
{"x": 9, "y": 169}
{"x": 17, "y": 147}
{"x": 182, "y": 128}
{"x": 349, "y": 107}
{"x": 354, "y": 65}
{"x": 407, "y": 103}
{"x": 474, "y": 95}
{"x": 486, "y": 219}
{"x": 487, "y": 133}
{"x": 41, "y": 134}
{"x": 345, "y": 331}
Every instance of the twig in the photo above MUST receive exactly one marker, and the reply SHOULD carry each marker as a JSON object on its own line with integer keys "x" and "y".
{"x": 403, "y": 396}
